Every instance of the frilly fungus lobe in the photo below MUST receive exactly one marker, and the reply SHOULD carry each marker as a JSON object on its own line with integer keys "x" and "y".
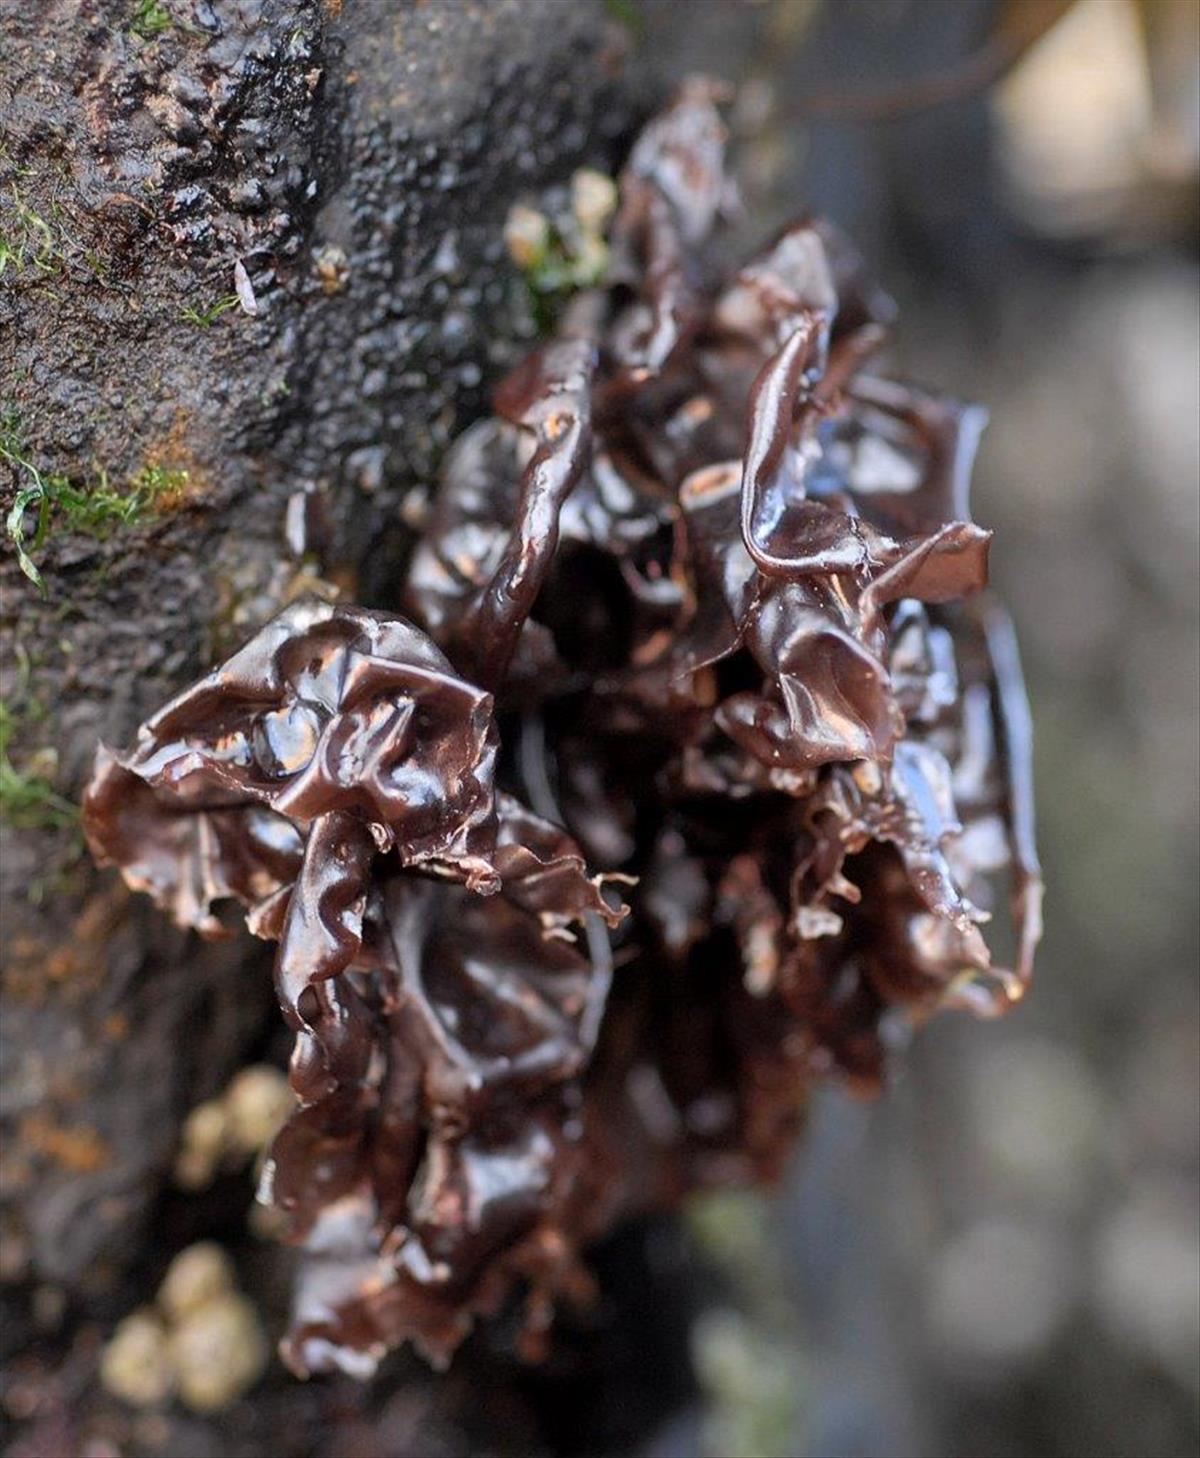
{"x": 688, "y": 608}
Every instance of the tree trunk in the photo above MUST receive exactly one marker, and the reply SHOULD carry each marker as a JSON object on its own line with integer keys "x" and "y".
{"x": 254, "y": 280}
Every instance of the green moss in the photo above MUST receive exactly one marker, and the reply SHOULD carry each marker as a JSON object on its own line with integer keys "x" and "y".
{"x": 28, "y": 799}
{"x": 731, "y": 1229}
{"x": 28, "y": 241}
{"x": 149, "y": 19}
{"x": 152, "y": 482}
{"x": 752, "y": 1382}
{"x": 556, "y": 274}
{"x": 204, "y": 316}
{"x": 749, "y": 1356}
{"x": 561, "y": 254}
{"x": 38, "y": 246}
{"x": 53, "y": 502}
{"x": 627, "y": 13}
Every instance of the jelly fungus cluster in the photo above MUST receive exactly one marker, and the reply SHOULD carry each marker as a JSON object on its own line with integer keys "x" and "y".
{"x": 687, "y": 775}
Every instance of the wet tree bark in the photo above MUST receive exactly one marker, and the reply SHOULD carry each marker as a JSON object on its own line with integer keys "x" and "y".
{"x": 253, "y": 282}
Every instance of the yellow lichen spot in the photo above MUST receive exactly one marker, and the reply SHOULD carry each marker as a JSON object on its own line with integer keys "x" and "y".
{"x": 135, "y": 1365}
{"x": 256, "y": 1103}
{"x": 331, "y": 267}
{"x": 229, "y": 1131}
{"x": 219, "y": 1352}
{"x": 197, "y": 1275}
{"x": 204, "y": 1343}
{"x": 202, "y": 1146}
{"x": 593, "y": 199}
{"x": 526, "y": 235}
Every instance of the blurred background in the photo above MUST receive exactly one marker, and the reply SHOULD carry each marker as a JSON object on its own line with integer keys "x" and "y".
{"x": 1001, "y": 1257}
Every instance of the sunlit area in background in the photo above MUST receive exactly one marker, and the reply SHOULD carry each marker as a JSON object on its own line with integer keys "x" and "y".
{"x": 1096, "y": 126}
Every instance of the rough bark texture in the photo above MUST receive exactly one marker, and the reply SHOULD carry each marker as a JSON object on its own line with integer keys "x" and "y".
{"x": 354, "y": 164}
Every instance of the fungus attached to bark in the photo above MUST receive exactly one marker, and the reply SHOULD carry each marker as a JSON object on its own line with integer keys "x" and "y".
{"x": 686, "y": 625}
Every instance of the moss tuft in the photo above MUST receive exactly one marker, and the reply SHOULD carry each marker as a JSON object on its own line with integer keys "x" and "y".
{"x": 28, "y": 799}
{"x": 560, "y": 253}
{"x": 204, "y": 316}
{"x": 51, "y": 501}
{"x": 28, "y": 241}
{"x": 149, "y": 19}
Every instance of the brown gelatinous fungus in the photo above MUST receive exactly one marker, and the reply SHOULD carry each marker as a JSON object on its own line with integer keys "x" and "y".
{"x": 697, "y": 607}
